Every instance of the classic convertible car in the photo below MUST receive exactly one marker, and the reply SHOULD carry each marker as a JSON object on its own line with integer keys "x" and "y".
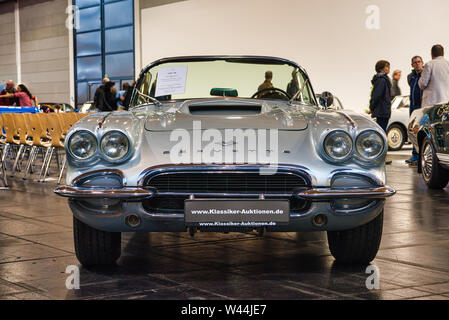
{"x": 397, "y": 125}
{"x": 226, "y": 144}
{"x": 428, "y": 130}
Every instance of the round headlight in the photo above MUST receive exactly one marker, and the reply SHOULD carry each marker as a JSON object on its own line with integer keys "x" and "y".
{"x": 114, "y": 145}
{"x": 370, "y": 144}
{"x": 82, "y": 145}
{"x": 338, "y": 145}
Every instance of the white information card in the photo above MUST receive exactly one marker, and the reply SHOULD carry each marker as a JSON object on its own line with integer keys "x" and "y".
{"x": 171, "y": 80}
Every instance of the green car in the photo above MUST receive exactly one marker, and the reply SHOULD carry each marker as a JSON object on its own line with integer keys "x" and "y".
{"x": 429, "y": 132}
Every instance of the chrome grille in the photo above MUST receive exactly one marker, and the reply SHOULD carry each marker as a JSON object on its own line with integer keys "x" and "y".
{"x": 226, "y": 182}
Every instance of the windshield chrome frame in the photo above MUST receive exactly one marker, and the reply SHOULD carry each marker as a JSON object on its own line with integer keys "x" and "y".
{"x": 253, "y": 59}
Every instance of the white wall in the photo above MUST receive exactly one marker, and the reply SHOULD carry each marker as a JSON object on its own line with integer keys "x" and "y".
{"x": 8, "y": 67}
{"x": 45, "y": 49}
{"x": 328, "y": 38}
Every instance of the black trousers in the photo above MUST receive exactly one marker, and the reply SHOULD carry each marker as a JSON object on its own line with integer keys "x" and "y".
{"x": 383, "y": 123}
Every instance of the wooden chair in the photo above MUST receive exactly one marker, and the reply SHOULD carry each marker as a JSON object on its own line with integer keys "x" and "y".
{"x": 3, "y": 145}
{"x": 25, "y": 141}
{"x": 12, "y": 137}
{"x": 55, "y": 131}
{"x": 67, "y": 121}
{"x": 82, "y": 115}
{"x": 39, "y": 135}
{"x": 2, "y": 136}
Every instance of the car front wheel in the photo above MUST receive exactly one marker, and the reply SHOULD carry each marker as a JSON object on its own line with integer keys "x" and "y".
{"x": 95, "y": 247}
{"x": 435, "y": 176}
{"x": 396, "y": 137}
{"x": 358, "y": 245}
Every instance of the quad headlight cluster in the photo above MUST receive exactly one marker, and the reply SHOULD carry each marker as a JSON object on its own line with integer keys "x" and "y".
{"x": 83, "y": 145}
{"x": 114, "y": 146}
{"x": 339, "y": 146}
{"x": 369, "y": 145}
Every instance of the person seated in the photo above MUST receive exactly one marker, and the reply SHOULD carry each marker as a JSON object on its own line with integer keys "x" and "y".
{"x": 9, "y": 88}
{"x": 266, "y": 84}
{"x": 24, "y": 96}
{"x": 293, "y": 85}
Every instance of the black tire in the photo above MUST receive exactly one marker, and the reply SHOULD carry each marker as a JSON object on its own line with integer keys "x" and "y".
{"x": 434, "y": 175}
{"x": 359, "y": 245}
{"x": 396, "y": 137}
{"x": 95, "y": 247}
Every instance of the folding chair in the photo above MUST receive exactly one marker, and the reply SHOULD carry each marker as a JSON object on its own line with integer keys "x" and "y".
{"x": 67, "y": 121}
{"x": 38, "y": 133}
{"x": 12, "y": 137}
{"x": 3, "y": 144}
{"x": 26, "y": 142}
{"x": 55, "y": 131}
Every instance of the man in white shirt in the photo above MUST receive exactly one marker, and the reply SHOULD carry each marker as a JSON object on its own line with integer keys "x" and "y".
{"x": 434, "y": 79}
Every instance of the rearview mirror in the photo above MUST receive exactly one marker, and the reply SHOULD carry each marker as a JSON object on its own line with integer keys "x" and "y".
{"x": 326, "y": 99}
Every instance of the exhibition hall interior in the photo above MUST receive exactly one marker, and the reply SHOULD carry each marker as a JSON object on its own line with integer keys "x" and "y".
{"x": 224, "y": 150}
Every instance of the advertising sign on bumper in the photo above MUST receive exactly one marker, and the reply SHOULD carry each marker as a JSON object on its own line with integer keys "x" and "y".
{"x": 235, "y": 213}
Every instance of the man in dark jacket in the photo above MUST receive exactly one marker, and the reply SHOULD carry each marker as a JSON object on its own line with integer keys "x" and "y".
{"x": 99, "y": 95}
{"x": 380, "y": 102}
{"x": 415, "y": 96}
{"x": 108, "y": 97}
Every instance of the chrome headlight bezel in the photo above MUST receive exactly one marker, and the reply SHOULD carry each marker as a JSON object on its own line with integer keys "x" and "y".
{"x": 329, "y": 156}
{"x": 123, "y": 158}
{"x": 364, "y": 133}
{"x": 77, "y": 134}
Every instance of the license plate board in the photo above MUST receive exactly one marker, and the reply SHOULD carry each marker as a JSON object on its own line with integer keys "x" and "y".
{"x": 236, "y": 213}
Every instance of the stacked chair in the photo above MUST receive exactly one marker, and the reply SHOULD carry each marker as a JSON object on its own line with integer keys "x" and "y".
{"x": 25, "y": 140}
{"x": 55, "y": 129}
{"x": 39, "y": 135}
{"x": 29, "y": 134}
{"x": 2, "y": 152}
{"x": 11, "y": 138}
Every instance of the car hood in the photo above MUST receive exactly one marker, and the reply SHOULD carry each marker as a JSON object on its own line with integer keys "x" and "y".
{"x": 226, "y": 114}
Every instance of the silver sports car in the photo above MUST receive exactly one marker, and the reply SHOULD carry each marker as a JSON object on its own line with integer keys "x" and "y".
{"x": 226, "y": 144}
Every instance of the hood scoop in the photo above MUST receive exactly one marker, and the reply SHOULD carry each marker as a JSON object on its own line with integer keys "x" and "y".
{"x": 225, "y": 109}
{"x": 226, "y": 114}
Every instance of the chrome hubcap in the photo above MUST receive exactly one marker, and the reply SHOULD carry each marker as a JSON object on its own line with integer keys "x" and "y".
{"x": 394, "y": 137}
{"x": 426, "y": 162}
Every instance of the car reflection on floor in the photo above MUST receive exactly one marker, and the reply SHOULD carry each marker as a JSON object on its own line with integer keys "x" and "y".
{"x": 36, "y": 246}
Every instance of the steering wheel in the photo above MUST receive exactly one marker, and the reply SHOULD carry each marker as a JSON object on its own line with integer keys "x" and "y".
{"x": 272, "y": 89}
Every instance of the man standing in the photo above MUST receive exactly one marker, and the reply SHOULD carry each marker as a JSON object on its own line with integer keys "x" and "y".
{"x": 99, "y": 95}
{"x": 395, "y": 90}
{"x": 434, "y": 79}
{"x": 415, "y": 96}
{"x": 380, "y": 102}
{"x": 9, "y": 88}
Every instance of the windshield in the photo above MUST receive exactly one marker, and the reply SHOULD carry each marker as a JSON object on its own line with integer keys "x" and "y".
{"x": 240, "y": 78}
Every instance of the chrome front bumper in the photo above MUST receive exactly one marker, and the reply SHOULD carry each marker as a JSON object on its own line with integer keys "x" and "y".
{"x": 139, "y": 193}
{"x": 340, "y": 204}
{"x": 125, "y": 193}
